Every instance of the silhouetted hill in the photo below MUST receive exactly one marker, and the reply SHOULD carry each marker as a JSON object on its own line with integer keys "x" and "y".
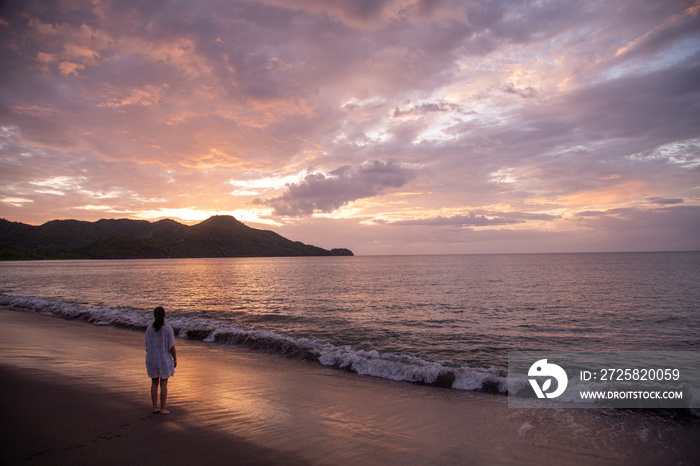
{"x": 218, "y": 236}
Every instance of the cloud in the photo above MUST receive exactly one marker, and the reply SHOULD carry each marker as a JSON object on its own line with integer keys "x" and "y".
{"x": 149, "y": 95}
{"x": 642, "y": 229}
{"x": 460, "y": 221}
{"x": 426, "y": 108}
{"x": 374, "y": 14}
{"x": 478, "y": 219}
{"x": 676, "y": 28}
{"x": 326, "y": 193}
{"x": 662, "y": 201}
{"x": 525, "y": 93}
{"x": 680, "y": 222}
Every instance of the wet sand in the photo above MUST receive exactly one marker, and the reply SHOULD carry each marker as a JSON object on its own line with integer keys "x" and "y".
{"x": 76, "y": 393}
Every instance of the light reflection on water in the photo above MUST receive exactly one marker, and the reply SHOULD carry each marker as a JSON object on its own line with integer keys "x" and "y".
{"x": 444, "y": 308}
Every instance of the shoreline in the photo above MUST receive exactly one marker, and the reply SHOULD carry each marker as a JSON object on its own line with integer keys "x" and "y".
{"x": 77, "y": 393}
{"x": 48, "y": 421}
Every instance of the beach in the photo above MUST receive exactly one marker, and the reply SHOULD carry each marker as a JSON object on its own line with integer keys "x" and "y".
{"x": 77, "y": 393}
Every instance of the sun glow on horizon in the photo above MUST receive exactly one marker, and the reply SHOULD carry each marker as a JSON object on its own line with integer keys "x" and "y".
{"x": 191, "y": 215}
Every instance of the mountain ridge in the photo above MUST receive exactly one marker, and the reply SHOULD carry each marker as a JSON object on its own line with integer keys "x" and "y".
{"x": 217, "y": 236}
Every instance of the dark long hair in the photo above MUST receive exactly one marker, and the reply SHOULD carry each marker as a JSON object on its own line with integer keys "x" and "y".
{"x": 158, "y": 317}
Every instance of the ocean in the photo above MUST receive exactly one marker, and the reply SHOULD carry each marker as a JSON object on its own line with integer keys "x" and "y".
{"x": 406, "y": 318}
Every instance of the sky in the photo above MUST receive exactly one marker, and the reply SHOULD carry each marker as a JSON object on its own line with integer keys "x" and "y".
{"x": 383, "y": 126}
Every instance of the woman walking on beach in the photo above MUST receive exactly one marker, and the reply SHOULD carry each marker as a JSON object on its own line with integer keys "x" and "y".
{"x": 161, "y": 358}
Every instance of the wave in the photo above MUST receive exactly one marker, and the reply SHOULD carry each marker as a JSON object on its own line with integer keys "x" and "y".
{"x": 393, "y": 366}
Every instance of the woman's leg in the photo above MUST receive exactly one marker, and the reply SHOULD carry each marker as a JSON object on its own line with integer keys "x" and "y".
{"x": 154, "y": 393}
{"x": 163, "y": 395}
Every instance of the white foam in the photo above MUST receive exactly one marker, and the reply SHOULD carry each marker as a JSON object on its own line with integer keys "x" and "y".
{"x": 523, "y": 429}
{"x": 399, "y": 367}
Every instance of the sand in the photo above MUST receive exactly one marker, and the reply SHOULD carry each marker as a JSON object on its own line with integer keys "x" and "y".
{"x": 76, "y": 393}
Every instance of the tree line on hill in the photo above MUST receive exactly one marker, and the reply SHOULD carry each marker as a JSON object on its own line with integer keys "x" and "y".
{"x": 218, "y": 236}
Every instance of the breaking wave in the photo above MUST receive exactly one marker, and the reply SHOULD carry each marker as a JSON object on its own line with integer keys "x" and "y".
{"x": 393, "y": 366}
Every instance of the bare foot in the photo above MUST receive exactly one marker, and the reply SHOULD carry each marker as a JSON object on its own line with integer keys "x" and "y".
{"x": 164, "y": 411}
{"x": 156, "y": 411}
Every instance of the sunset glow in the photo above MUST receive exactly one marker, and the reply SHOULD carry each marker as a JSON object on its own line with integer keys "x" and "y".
{"x": 394, "y": 127}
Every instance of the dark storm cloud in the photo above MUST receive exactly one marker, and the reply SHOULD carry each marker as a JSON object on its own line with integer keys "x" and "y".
{"x": 321, "y": 193}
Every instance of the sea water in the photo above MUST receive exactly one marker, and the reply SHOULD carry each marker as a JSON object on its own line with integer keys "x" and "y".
{"x": 408, "y": 318}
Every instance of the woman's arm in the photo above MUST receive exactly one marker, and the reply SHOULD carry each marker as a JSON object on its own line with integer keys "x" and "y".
{"x": 173, "y": 353}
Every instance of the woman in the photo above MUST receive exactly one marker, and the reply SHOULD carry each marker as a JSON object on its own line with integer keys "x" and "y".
{"x": 161, "y": 358}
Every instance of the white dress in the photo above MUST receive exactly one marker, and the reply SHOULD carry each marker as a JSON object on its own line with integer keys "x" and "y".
{"x": 159, "y": 362}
